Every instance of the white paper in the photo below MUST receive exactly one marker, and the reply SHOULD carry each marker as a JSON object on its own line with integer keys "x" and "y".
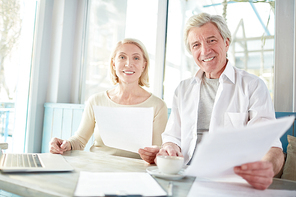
{"x": 126, "y": 128}
{"x": 232, "y": 188}
{"x": 117, "y": 183}
{"x": 224, "y": 149}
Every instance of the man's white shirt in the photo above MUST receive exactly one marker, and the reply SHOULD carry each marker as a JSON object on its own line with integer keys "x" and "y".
{"x": 242, "y": 99}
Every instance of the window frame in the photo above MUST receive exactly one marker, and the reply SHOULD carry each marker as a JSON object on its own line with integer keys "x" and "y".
{"x": 44, "y": 45}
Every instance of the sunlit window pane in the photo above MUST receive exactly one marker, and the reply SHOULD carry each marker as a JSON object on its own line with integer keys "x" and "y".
{"x": 17, "y": 23}
{"x": 252, "y": 49}
{"x": 110, "y": 22}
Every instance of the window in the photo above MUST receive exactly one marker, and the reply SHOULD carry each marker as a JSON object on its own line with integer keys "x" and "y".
{"x": 17, "y": 30}
{"x": 252, "y": 48}
{"x": 251, "y": 25}
{"x": 108, "y": 23}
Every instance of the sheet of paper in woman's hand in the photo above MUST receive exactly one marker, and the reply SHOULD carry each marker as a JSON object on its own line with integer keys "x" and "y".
{"x": 126, "y": 128}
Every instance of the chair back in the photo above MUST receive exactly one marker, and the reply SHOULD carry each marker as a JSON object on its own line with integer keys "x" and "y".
{"x": 290, "y": 131}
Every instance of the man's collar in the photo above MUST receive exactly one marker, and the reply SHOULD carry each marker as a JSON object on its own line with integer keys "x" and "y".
{"x": 198, "y": 76}
{"x": 227, "y": 73}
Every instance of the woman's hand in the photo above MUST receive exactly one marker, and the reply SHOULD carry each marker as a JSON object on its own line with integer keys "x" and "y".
{"x": 58, "y": 146}
{"x": 148, "y": 154}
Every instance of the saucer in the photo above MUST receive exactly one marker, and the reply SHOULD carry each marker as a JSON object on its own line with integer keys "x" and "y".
{"x": 154, "y": 171}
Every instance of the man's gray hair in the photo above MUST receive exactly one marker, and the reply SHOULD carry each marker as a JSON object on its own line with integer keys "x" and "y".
{"x": 202, "y": 19}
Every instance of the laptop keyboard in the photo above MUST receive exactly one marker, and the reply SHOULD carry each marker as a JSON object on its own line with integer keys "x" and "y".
{"x": 22, "y": 160}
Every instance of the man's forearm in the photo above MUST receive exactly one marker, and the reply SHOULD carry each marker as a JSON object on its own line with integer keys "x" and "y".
{"x": 275, "y": 155}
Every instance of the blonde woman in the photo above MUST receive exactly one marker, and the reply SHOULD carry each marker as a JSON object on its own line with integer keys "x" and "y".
{"x": 129, "y": 65}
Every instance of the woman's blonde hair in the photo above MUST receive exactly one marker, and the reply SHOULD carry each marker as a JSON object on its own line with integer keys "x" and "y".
{"x": 144, "y": 78}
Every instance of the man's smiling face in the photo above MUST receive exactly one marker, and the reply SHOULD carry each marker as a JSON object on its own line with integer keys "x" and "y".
{"x": 208, "y": 49}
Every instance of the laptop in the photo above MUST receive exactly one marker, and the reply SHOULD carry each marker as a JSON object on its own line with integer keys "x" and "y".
{"x": 33, "y": 162}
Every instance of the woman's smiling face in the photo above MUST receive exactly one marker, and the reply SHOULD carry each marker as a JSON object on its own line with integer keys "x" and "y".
{"x": 208, "y": 49}
{"x": 129, "y": 63}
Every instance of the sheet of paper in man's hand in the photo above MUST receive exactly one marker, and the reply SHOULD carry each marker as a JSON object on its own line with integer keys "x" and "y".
{"x": 223, "y": 149}
{"x": 126, "y": 128}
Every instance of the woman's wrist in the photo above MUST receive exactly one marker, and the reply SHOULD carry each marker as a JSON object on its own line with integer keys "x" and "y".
{"x": 70, "y": 145}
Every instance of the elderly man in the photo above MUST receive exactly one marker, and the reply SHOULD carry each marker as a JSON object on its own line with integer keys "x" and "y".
{"x": 219, "y": 95}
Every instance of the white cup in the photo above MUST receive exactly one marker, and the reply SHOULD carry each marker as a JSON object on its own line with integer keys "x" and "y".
{"x": 169, "y": 164}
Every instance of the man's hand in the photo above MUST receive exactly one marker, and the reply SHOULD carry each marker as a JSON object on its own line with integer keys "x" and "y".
{"x": 170, "y": 149}
{"x": 148, "y": 154}
{"x": 59, "y": 146}
{"x": 258, "y": 174}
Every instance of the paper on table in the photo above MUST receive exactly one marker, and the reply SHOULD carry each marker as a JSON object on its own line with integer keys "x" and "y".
{"x": 117, "y": 183}
{"x": 235, "y": 187}
{"x": 126, "y": 128}
{"x": 223, "y": 149}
